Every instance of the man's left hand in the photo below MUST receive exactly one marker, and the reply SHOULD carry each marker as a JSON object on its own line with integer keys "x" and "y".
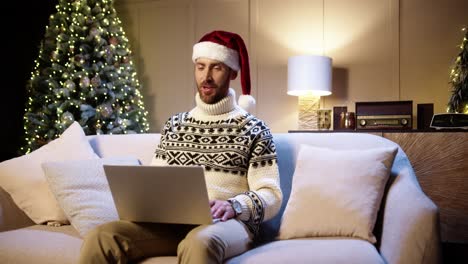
{"x": 222, "y": 209}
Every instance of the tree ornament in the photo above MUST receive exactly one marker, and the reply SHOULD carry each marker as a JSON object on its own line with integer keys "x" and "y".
{"x": 107, "y": 52}
{"x": 89, "y": 20}
{"x": 105, "y": 110}
{"x": 126, "y": 123}
{"x": 67, "y": 118}
{"x": 79, "y": 60}
{"x": 76, "y": 5}
{"x": 96, "y": 9}
{"x": 114, "y": 41}
{"x": 70, "y": 85}
{"x": 123, "y": 122}
{"x": 122, "y": 52}
{"x": 84, "y": 82}
{"x": 96, "y": 81}
{"x": 94, "y": 31}
{"x": 54, "y": 55}
{"x": 119, "y": 121}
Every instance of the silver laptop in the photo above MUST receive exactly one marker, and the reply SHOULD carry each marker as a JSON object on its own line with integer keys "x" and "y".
{"x": 167, "y": 194}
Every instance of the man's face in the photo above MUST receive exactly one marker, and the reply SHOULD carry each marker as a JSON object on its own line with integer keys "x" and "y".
{"x": 212, "y": 78}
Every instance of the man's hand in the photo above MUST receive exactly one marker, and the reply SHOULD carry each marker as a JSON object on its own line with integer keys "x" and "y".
{"x": 221, "y": 209}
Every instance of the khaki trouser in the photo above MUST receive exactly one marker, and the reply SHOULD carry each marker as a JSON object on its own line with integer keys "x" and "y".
{"x": 122, "y": 242}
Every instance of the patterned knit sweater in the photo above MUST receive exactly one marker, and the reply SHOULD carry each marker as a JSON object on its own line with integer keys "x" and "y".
{"x": 235, "y": 148}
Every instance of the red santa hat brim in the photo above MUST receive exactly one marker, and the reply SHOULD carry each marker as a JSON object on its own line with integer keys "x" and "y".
{"x": 215, "y": 51}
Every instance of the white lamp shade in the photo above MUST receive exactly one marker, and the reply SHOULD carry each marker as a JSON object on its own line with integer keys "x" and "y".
{"x": 309, "y": 75}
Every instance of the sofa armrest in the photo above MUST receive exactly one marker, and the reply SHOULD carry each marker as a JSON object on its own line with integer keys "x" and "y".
{"x": 11, "y": 217}
{"x": 410, "y": 232}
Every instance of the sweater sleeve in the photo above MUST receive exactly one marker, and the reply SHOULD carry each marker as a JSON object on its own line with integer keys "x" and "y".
{"x": 159, "y": 157}
{"x": 263, "y": 200}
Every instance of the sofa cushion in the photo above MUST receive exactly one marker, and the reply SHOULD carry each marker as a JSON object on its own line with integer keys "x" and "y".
{"x": 336, "y": 192}
{"x": 82, "y": 191}
{"x": 40, "y": 244}
{"x": 323, "y": 251}
{"x": 11, "y": 217}
{"x": 141, "y": 146}
{"x": 24, "y": 180}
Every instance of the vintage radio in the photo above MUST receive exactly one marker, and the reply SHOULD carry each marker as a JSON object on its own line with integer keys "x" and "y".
{"x": 384, "y": 115}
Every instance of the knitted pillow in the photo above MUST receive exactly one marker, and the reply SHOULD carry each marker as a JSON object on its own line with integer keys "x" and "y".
{"x": 82, "y": 191}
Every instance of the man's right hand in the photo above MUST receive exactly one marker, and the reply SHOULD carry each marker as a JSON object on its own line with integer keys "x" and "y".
{"x": 222, "y": 209}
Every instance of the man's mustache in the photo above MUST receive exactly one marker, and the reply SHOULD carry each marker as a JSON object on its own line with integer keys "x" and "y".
{"x": 208, "y": 84}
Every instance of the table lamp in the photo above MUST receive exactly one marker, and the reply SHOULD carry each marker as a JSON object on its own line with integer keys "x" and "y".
{"x": 309, "y": 77}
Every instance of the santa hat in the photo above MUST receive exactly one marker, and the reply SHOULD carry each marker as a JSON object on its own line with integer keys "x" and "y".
{"x": 228, "y": 48}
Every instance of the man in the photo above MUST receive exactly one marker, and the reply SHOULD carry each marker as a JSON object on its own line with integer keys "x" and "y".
{"x": 239, "y": 157}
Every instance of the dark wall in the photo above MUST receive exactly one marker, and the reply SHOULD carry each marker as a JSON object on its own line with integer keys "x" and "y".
{"x": 23, "y": 28}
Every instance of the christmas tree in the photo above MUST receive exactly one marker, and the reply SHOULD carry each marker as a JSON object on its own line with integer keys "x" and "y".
{"x": 458, "y": 102}
{"x": 84, "y": 73}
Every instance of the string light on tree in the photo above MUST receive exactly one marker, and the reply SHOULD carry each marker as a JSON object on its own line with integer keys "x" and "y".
{"x": 458, "y": 102}
{"x": 84, "y": 72}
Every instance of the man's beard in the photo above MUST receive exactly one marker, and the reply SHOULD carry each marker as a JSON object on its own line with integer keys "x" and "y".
{"x": 216, "y": 94}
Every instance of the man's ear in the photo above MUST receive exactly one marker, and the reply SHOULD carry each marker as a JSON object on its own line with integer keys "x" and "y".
{"x": 233, "y": 75}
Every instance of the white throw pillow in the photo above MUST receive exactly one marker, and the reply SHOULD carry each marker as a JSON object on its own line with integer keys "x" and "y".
{"x": 336, "y": 192}
{"x": 24, "y": 180}
{"x": 82, "y": 190}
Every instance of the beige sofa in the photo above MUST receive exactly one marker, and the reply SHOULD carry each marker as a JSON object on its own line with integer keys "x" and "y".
{"x": 406, "y": 229}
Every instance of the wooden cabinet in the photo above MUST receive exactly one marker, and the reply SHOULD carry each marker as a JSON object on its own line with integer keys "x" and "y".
{"x": 440, "y": 161}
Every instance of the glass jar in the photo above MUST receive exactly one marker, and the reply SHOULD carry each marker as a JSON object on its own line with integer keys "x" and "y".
{"x": 349, "y": 120}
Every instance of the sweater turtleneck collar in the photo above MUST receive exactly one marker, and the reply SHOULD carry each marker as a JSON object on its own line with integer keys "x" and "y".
{"x": 224, "y": 106}
{"x": 222, "y": 110}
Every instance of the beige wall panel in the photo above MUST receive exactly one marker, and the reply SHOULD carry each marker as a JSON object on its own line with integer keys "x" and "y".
{"x": 283, "y": 29}
{"x": 430, "y": 37}
{"x": 229, "y": 15}
{"x": 359, "y": 37}
{"x": 165, "y": 51}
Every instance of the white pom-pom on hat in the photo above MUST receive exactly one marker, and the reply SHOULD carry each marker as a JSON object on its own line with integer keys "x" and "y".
{"x": 247, "y": 102}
